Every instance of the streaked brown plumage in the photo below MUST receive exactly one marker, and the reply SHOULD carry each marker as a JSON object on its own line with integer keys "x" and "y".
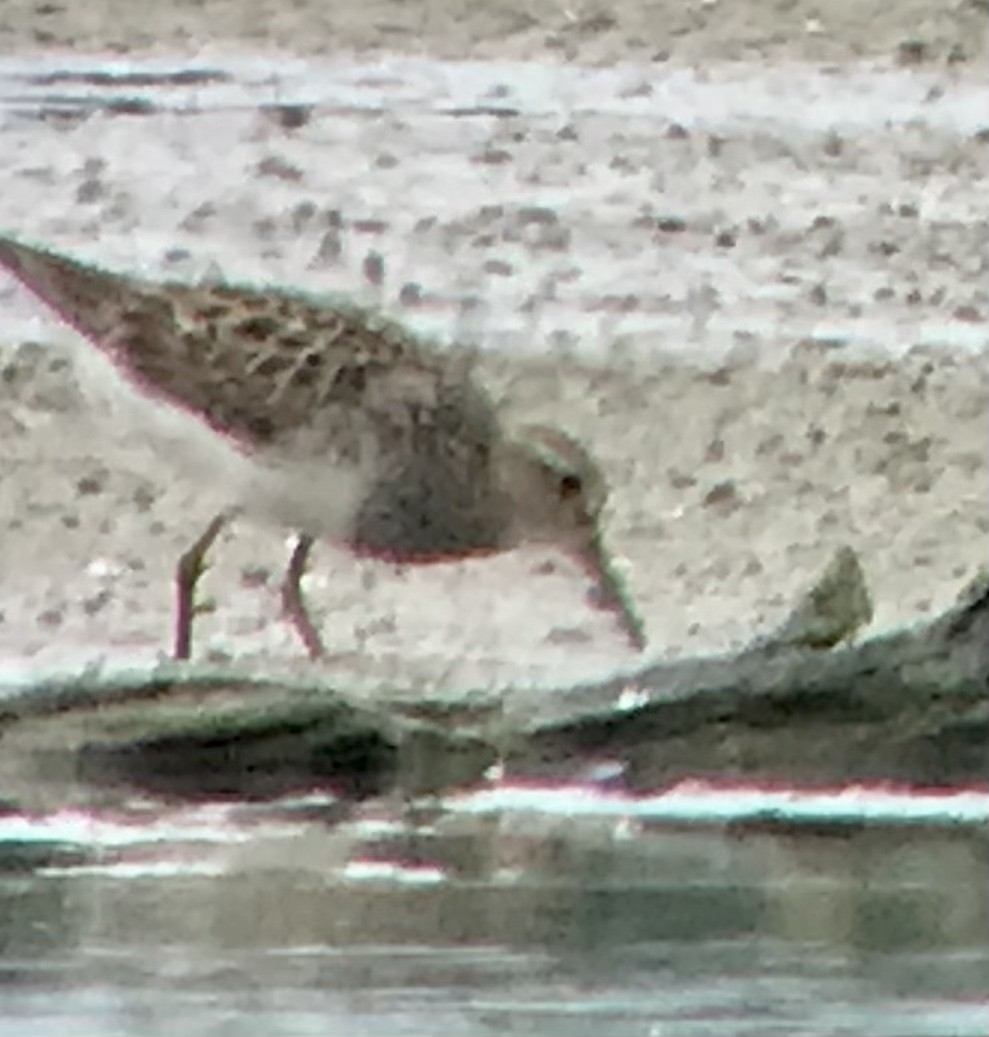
{"x": 328, "y": 419}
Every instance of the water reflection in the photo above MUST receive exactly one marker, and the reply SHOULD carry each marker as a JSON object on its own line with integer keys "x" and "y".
{"x": 467, "y": 925}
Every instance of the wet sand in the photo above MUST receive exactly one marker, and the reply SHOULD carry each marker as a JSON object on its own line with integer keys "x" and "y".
{"x": 584, "y": 31}
{"x": 757, "y": 291}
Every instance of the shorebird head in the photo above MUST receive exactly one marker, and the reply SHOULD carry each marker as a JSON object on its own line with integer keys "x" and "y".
{"x": 557, "y": 494}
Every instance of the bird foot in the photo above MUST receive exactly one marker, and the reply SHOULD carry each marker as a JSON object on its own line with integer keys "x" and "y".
{"x": 293, "y": 603}
{"x": 188, "y": 573}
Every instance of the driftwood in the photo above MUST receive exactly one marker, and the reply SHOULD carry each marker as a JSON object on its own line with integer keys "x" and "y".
{"x": 911, "y": 706}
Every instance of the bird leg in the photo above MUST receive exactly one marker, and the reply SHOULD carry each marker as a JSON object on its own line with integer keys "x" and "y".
{"x": 188, "y": 572}
{"x": 292, "y": 603}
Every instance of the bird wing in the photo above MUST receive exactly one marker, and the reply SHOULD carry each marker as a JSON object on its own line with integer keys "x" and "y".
{"x": 267, "y": 367}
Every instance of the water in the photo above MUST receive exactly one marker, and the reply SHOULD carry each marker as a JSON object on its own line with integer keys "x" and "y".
{"x": 265, "y": 920}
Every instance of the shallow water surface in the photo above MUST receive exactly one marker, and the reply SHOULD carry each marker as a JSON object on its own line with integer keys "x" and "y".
{"x": 259, "y": 921}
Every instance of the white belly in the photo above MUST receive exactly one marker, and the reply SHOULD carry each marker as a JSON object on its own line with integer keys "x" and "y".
{"x": 310, "y": 496}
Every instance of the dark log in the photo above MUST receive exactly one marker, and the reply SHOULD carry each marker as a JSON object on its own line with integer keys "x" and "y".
{"x": 911, "y": 706}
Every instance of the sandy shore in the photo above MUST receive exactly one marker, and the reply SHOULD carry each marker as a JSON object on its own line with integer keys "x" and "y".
{"x": 584, "y": 30}
{"x": 771, "y": 330}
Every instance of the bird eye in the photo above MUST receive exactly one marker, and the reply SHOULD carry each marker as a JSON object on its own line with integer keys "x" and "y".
{"x": 570, "y": 486}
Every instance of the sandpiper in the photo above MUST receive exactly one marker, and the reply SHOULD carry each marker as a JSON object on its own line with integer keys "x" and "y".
{"x": 327, "y": 419}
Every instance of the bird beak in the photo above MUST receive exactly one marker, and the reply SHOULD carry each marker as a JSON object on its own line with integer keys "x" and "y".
{"x": 610, "y": 592}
